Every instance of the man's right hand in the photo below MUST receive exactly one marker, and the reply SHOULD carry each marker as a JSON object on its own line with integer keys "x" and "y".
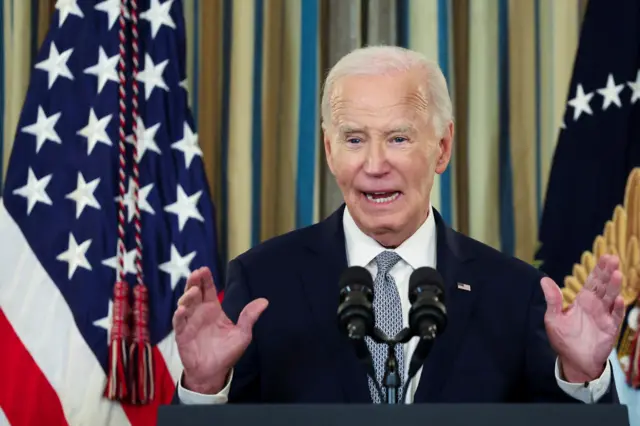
{"x": 209, "y": 343}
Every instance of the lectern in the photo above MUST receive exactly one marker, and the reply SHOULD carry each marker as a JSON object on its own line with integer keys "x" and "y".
{"x": 390, "y": 415}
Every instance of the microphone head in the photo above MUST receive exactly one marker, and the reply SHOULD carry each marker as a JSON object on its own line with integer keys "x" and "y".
{"x": 426, "y": 277}
{"x": 355, "y": 309}
{"x": 428, "y": 313}
{"x": 356, "y": 275}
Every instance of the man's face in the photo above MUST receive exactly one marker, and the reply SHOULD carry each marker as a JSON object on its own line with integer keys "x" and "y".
{"x": 383, "y": 151}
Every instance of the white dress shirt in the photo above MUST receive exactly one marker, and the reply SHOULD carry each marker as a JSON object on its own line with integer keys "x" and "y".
{"x": 417, "y": 251}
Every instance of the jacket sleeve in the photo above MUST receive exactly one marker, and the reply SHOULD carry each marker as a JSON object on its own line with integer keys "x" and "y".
{"x": 245, "y": 385}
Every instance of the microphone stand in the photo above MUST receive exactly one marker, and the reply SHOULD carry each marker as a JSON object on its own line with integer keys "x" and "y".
{"x": 392, "y": 379}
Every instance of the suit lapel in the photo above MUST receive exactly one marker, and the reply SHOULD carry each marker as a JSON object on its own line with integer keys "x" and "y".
{"x": 459, "y": 303}
{"x": 320, "y": 276}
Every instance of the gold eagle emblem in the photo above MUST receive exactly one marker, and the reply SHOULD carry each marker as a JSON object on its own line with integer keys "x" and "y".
{"x": 620, "y": 237}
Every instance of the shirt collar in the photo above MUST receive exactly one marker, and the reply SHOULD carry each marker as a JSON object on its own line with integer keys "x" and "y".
{"x": 418, "y": 250}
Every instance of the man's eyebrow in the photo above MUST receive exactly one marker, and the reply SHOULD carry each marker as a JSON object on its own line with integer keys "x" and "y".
{"x": 405, "y": 128}
{"x": 347, "y": 129}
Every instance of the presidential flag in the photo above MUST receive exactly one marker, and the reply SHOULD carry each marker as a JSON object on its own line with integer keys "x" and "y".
{"x": 598, "y": 147}
{"x": 105, "y": 185}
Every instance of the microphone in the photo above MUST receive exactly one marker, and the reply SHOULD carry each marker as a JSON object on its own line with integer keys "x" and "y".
{"x": 355, "y": 311}
{"x": 355, "y": 315}
{"x": 427, "y": 316}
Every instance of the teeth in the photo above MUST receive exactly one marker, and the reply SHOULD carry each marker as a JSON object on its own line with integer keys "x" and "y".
{"x": 382, "y": 200}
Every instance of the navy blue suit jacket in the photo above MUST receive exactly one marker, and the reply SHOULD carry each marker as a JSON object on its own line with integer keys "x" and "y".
{"x": 494, "y": 348}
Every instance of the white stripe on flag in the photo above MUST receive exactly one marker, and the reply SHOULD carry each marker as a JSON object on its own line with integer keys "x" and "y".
{"x": 169, "y": 350}
{"x": 3, "y": 419}
{"x": 43, "y": 321}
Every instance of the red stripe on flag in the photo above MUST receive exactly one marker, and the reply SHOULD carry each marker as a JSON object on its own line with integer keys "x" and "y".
{"x": 146, "y": 415}
{"x": 26, "y": 397}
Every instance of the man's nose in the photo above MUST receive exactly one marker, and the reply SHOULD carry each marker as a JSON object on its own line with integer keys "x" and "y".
{"x": 376, "y": 162}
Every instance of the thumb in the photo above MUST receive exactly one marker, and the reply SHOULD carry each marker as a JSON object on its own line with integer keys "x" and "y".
{"x": 250, "y": 314}
{"x": 552, "y": 295}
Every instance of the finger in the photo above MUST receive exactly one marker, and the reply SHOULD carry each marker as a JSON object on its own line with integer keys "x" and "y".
{"x": 599, "y": 287}
{"x": 209, "y": 291}
{"x": 594, "y": 281}
{"x": 194, "y": 279}
{"x": 552, "y": 295}
{"x": 612, "y": 289}
{"x": 613, "y": 263}
{"x": 590, "y": 284}
{"x": 191, "y": 298}
{"x": 618, "y": 311}
{"x": 179, "y": 320}
{"x": 251, "y": 313}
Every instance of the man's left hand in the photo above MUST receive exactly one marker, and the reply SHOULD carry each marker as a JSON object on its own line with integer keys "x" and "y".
{"x": 583, "y": 336}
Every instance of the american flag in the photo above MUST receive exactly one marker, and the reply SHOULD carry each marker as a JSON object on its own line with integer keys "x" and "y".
{"x": 59, "y": 215}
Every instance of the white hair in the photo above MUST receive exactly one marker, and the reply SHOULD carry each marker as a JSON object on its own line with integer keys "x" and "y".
{"x": 381, "y": 60}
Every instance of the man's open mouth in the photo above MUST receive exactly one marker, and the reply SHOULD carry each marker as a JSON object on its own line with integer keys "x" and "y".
{"x": 382, "y": 197}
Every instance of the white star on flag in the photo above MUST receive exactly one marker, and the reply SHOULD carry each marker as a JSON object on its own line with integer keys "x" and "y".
{"x": 635, "y": 86}
{"x": 151, "y": 75}
{"x": 56, "y": 64}
{"x": 146, "y": 138}
{"x": 95, "y": 131}
{"x": 35, "y": 191}
{"x": 105, "y": 322}
{"x": 112, "y": 9}
{"x": 129, "y": 262}
{"x": 83, "y": 194}
{"x": 185, "y": 207}
{"x": 611, "y": 93}
{"x": 129, "y": 201}
{"x": 581, "y": 103}
{"x": 105, "y": 69}
{"x": 158, "y": 15}
{"x": 178, "y": 266}
{"x": 188, "y": 145}
{"x": 66, "y": 8}
{"x": 44, "y": 128}
{"x": 75, "y": 255}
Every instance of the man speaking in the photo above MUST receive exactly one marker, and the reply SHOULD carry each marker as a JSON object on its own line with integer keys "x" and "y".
{"x": 388, "y": 129}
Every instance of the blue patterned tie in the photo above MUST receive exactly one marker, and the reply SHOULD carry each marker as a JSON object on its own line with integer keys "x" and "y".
{"x": 388, "y": 313}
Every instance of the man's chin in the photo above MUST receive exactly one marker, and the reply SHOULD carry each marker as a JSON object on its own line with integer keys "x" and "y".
{"x": 383, "y": 227}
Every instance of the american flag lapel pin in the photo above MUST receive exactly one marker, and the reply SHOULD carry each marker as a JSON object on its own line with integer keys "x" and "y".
{"x": 463, "y": 286}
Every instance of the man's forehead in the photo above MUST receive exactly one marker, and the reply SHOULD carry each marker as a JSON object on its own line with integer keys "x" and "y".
{"x": 348, "y": 100}
{"x": 391, "y": 127}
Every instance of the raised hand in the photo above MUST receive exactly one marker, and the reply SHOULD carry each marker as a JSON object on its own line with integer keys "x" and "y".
{"x": 209, "y": 343}
{"x": 583, "y": 336}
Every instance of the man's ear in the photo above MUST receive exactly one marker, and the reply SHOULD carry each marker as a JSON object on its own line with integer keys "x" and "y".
{"x": 445, "y": 147}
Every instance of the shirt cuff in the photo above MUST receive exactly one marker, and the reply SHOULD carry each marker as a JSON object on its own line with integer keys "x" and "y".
{"x": 593, "y": 390}
{"x": 188, "y": 397}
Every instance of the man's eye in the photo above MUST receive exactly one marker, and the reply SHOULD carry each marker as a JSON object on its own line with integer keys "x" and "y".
{"x": 354, "y": 140}
{"x": 399, "y": 139}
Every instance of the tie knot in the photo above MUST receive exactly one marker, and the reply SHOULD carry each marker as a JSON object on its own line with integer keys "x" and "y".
{"x": 387, "y": 260}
